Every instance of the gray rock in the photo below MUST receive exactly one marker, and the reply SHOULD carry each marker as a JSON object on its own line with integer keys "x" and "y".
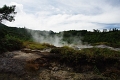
{"x": 9, "y": 65}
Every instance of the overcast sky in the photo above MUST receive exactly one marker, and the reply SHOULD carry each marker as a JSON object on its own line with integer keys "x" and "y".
{"x": 60, "y": 15}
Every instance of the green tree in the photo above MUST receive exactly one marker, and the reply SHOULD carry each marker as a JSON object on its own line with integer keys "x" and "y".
{"x": 7, "y": 13}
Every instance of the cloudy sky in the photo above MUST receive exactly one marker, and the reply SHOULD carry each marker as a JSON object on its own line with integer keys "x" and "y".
{"x": 60, "y": 15}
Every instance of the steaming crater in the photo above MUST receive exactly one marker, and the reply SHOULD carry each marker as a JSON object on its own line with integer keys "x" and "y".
{"x": 105, "y": 46}
{"x": 79, "y": 47}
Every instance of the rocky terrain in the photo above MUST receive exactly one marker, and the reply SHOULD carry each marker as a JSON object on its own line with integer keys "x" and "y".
{"x": 29, "y": 64}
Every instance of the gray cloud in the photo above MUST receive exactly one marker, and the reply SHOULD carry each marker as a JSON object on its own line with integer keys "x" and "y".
{"x": 59, "y": 15}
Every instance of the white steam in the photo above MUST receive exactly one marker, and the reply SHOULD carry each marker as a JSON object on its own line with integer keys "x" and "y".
{"x": 57, "y": 39}
{"x": 47, "y": 37}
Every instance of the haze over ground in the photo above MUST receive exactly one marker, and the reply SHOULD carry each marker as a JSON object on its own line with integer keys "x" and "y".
{"x": 60, "y": 15}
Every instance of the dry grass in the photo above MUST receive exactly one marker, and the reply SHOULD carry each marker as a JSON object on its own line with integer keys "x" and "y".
{"x": 37, "y": 46}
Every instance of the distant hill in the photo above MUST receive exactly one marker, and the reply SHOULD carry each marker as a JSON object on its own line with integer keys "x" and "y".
{"x": 20, "y": 33}
{"x": 2, "y": 25}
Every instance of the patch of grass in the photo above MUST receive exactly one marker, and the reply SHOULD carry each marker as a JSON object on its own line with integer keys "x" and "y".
{"x": 37, "y": 46}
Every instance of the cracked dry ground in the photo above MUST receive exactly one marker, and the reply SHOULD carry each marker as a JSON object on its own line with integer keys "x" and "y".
{"x": 38, "y": 65}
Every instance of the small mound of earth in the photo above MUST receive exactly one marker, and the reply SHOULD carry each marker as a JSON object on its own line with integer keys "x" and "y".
{"x": 12, "y": 67}
{"x": 14, "y": 63}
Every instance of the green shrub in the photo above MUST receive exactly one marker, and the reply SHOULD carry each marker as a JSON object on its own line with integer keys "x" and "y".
{"x": 87, "y": 55}
{"x": 103, "y": 52}
{"x": 67, "y": 54}
{"x": 10, "y": 44}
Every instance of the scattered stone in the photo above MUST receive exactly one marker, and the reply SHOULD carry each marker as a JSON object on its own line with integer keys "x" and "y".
{"x": 55, "y": 68}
